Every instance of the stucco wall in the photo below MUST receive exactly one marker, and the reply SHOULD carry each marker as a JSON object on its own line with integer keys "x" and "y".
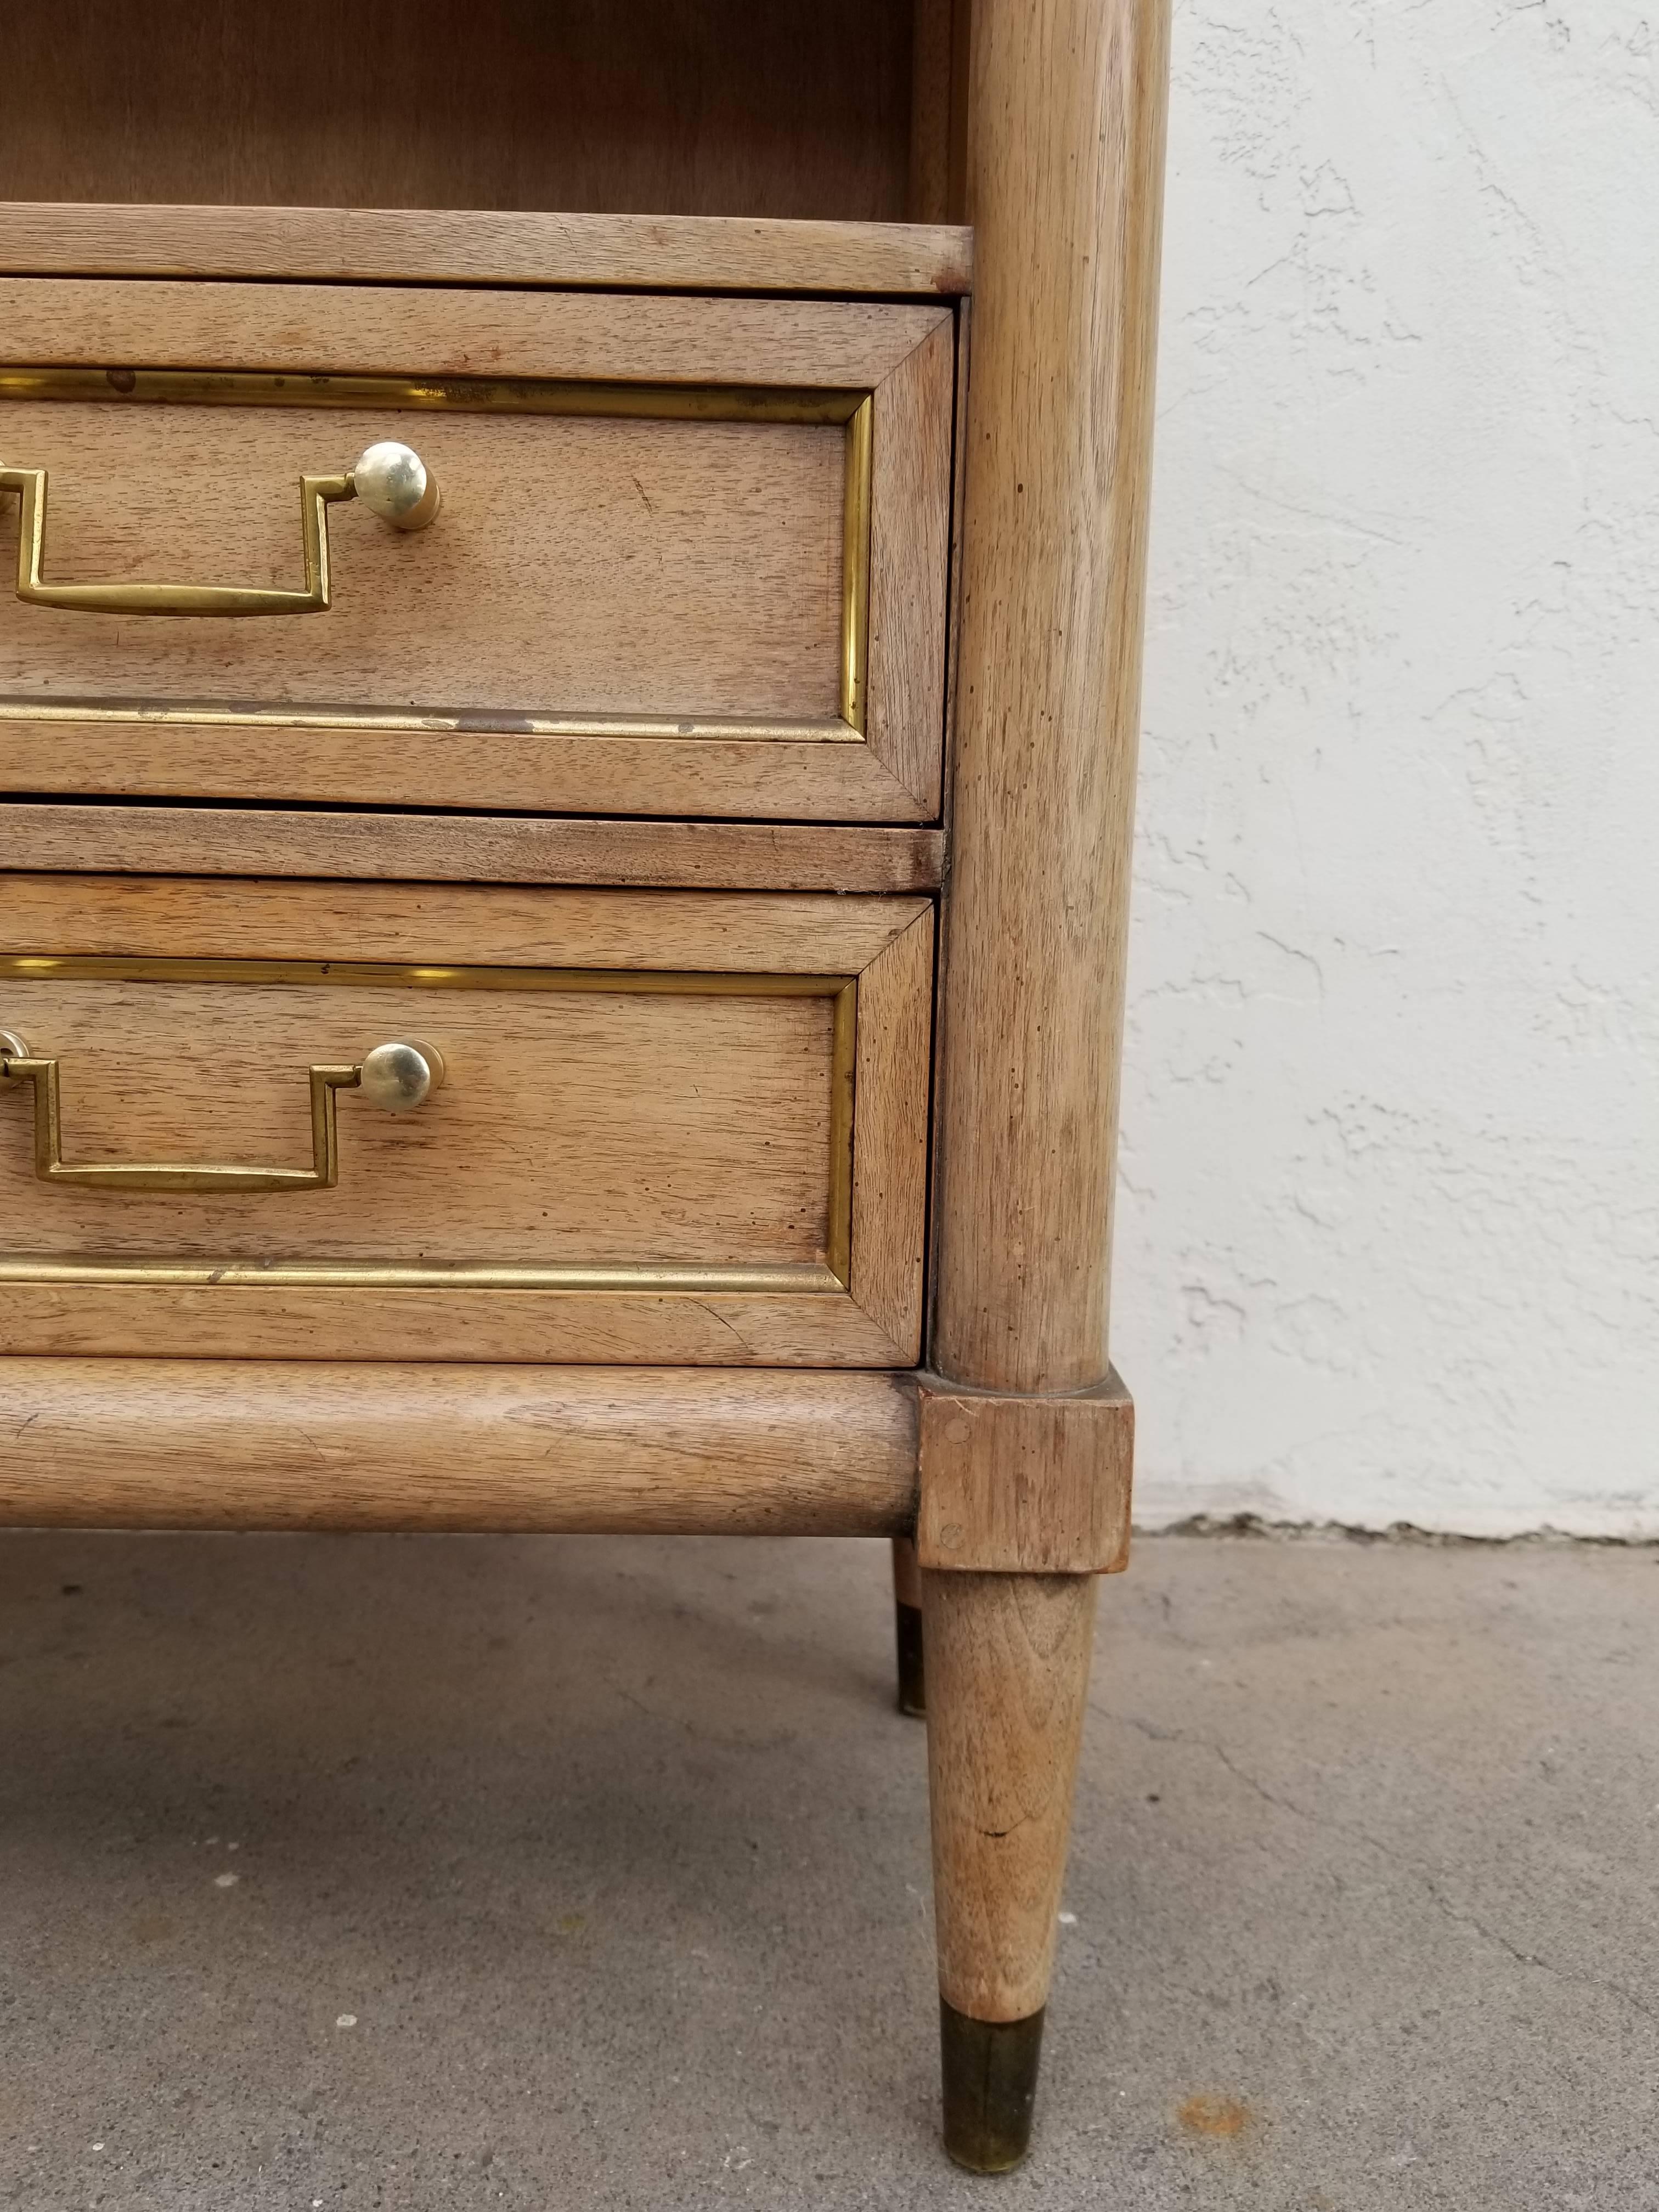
{"x": 1387, "y": 1244}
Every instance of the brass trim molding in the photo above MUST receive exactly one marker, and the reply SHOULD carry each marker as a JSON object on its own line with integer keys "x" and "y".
{"x": 348, "y": 1275}
{"x": 647, "y": 1278}
{"x": 854, "y": 409}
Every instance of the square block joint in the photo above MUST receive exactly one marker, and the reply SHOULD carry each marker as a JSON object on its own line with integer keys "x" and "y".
{"x": 1014, "y": 1485}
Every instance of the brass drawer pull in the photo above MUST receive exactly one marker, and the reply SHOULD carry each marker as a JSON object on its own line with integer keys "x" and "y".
{"x": 395, "y": 1077}
{"x": 391, "y": 480}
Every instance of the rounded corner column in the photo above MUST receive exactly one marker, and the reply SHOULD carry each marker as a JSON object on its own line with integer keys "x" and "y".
{"x": 1064, "y": 161}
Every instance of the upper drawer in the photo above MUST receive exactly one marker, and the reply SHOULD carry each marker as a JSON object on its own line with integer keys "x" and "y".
{"x": 690, "y": 558}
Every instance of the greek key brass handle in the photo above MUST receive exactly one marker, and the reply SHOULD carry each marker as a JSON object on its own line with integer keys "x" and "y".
{"x": 391, "y": 481}
{"x": 395, "y": 1077}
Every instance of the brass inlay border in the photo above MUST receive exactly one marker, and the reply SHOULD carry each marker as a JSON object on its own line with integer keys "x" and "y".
{"x": 648, "y": 1279}
{"x": 347, "y": 1274}
{"x": 708, "y": 402}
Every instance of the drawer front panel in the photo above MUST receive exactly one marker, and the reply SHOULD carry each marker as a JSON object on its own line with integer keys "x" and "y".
{"x": 624, "y": 1160}
{"x": 693, "y": 563}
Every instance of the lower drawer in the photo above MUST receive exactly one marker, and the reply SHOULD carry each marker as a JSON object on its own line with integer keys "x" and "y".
{"x": 685, "y": 1128}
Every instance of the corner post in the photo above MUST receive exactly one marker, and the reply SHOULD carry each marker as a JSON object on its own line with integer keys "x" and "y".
{"x": 1063, "y": 175}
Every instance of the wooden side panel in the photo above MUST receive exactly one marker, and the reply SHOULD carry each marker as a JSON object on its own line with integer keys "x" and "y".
{"x": 177, "y": 1444}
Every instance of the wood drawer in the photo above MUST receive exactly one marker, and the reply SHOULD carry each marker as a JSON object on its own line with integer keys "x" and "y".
{"x": 692, "y": 556}
{"x": 673, "y": 1127}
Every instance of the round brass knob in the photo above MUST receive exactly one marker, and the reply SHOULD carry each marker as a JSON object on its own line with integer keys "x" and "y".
{"x": 401, "y": 1076}
{"x": 394, "y": 483}
{"x": 12, "y": 1047}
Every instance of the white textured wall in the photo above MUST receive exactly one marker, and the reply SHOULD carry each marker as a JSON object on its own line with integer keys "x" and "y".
{"x": 1388, "y": 1234}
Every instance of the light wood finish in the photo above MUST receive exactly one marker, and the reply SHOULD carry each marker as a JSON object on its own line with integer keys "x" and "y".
{"x": 907, "y": 1573}
{"x": 222, "y": 840}
{"x": 151, "y": 918}
{"x": 889, "y": 1157}
{"x": 610, "y": 612}
{"x": 779, "y": 780}
{"x": 195, "y": 1444}
{"x": 1007, "y": 1677}
{"x": 433, "y": 333}
{"x": 592, "y": 1128}
{"x": 909, "y": 566}
{"x": 641, "y": 1151}
{"x": 792, "y": 110}
{"x": 1064, "y": 168}
{"x": 1063, "y": 158}
{"x": 120, "y": 1321}
{"x": 578, "y": 565}
{"x": 368, "y": 245}
{"x": 1024, "y": 1485}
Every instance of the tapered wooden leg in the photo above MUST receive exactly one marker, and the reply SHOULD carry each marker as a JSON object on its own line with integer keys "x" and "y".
{"x": 1007, "y": 1677}
{"x": 907, "y": 1626}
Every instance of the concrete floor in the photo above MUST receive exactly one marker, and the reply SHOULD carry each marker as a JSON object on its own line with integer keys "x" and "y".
{"x": 457, "y": 1872}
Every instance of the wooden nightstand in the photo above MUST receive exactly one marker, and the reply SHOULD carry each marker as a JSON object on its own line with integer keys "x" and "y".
{"x": 568, "y": 783}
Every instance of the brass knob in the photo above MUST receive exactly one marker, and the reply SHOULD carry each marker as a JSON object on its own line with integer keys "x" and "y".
{"x": 401, "y": 1076}
{"x": 393, "y": 482}
{"x": 12, "y": 1047}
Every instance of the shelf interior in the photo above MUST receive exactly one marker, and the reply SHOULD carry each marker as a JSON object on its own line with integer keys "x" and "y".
{"x": 792, "y": 108}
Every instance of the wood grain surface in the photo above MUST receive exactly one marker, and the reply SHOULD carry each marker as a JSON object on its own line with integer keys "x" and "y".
{"x": 720, "y": 109}
{"x": 910, "y": 565}
{"x": 1025, "y": 1485}
{"x": 780, "y": 779}
{"x": 386, "y": 330}
{"x": 1066, "y": 152}
{"x": 575, "y": 1128}
{"x": 657, "y": 570}
{"x": 381, "y": 245}
{"x": 199, "y": 1444}
{"x": 600, "y": 1131}
{"x": 151, "y": 917}
{"x": 810, "y": 1329}
{"x": 1007, "y": 1677}
{"x": 227, "y": 841}
{"x": 609, "y": 614}
{"x": 890, "y": 1157}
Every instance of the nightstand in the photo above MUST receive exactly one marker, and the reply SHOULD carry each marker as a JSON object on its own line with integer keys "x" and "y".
{"x": 568, "y": 783}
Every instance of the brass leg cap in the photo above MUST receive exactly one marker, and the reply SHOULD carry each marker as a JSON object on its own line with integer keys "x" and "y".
{"x": 990, "y": 2088}
{"x": 912, "y": 1679}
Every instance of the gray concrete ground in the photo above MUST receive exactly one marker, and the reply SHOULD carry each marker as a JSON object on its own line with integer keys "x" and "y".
{"x": 438, "y": 1873}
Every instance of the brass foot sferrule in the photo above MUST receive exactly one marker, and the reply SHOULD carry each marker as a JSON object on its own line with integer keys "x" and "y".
{"x": 990, "y": 2088}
